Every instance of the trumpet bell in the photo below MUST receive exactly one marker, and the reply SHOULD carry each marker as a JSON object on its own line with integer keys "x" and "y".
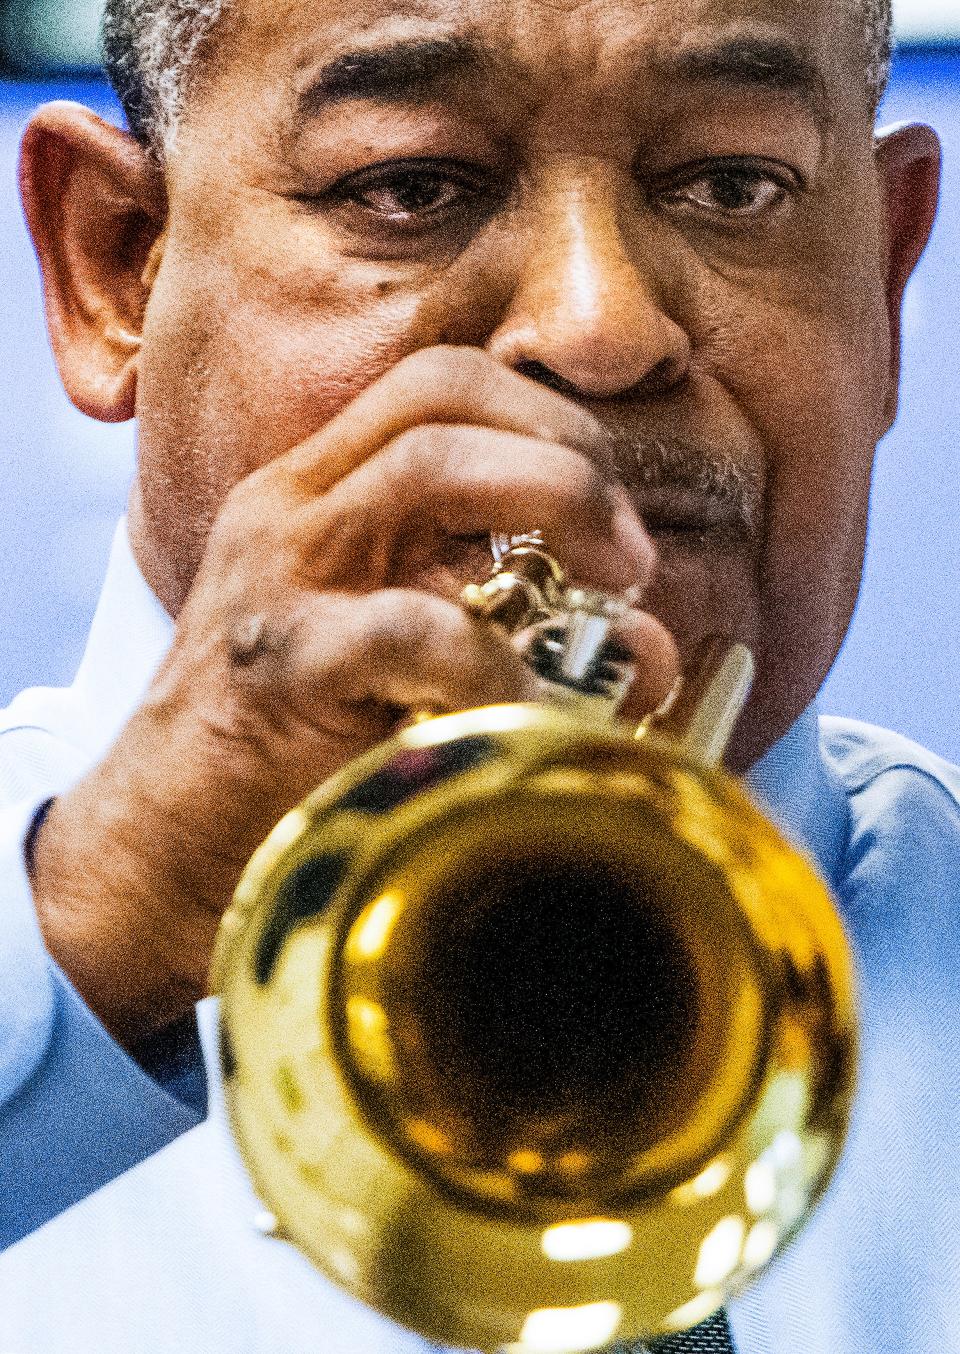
{"x": 535, "y": 1034}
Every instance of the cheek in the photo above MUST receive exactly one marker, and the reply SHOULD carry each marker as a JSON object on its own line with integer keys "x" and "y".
{"x": 807, "y": 368}
{"x": 293, "y": 374}
{"x": 247, "y": 359}
{"x": 809, "y": 373}
{"x": 823, "y": 425}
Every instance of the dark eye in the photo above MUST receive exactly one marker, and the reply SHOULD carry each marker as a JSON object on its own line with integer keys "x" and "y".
{"x": 741, "y": 192}
{"x": 409, "y": 194}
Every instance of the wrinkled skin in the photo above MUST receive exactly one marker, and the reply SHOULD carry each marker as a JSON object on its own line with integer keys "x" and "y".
{"x": 582, "y": 250}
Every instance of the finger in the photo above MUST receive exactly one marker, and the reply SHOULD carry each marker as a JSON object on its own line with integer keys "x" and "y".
{"x": 442, "y": 385}
{"x": 401, "y": 650}
{"x": 656, "y": 663}
{"x": 456, "y": 481}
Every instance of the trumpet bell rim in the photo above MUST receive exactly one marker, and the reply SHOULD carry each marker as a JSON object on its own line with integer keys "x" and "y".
{"x": 379, "y": 1210}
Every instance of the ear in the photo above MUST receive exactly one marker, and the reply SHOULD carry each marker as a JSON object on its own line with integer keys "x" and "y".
{"x": 95, "y": 206}
{"x": 908, "y": 161}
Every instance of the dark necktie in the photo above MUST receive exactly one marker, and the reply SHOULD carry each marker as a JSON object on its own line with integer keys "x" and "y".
{"x": 710, "y": 1337}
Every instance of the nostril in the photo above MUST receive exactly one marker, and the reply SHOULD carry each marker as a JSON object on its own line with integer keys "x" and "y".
{"x": 659, "y": 380}
{"x": 536, "y": 371}
{"x": 662, "y": 379}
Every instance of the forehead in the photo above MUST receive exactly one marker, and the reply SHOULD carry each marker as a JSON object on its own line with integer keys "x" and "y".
{"x": 546, "y": 35}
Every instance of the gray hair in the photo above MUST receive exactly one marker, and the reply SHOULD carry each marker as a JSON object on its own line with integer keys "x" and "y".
{"x": 153, "y": 51}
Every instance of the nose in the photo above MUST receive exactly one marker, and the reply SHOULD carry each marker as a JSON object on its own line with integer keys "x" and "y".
{"x": 585, "y": 316}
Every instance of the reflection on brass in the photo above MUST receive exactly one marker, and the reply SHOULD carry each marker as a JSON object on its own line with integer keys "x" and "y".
{"x": 537, "y": 1033}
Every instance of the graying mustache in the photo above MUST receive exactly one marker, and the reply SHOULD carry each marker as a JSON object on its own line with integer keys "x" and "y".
{"x": 728, "y": 487}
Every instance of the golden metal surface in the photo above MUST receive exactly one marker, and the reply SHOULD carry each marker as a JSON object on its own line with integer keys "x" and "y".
{"x": 535, "y": 1034}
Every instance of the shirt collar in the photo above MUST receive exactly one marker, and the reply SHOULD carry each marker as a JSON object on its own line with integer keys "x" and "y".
{"x": 131, "y": 634}
{"x": 793, "y": 784}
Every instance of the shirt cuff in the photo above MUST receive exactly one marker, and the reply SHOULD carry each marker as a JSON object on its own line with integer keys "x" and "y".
{"x": 26, "y": 984}
{"x": 75, "y": 1110}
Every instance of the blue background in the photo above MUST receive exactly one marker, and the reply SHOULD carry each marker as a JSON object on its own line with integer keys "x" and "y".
{"x": 63, "y": 478}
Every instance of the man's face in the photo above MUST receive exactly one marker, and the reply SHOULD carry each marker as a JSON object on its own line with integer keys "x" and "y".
{"x": 667, "y": 208}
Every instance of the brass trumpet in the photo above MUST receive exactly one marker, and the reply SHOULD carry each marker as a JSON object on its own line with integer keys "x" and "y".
{"x": 535, "y": 1032}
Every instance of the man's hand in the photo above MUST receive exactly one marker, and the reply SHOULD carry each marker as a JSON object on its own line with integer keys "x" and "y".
{"x": 321, "y": 615}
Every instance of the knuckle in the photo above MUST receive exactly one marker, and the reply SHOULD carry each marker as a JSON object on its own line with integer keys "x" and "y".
{"x": 398, "y": 623}
{"x": 459, "y": 361}
{"x": 251, "y": 639}
{"x": 587, "y": 491}
{"x": 421, "y": 450}
{"x": 460, "y": 372}
{"x": 254, "y": 515}
{"x": 261, "y": 645}
{"x": 249, "y": 493}
{"x": 233, "y": 516}
{"x": 411, "y": 630}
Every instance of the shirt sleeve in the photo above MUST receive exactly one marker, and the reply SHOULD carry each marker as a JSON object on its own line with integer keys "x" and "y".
{"x": 75, "y": 1110}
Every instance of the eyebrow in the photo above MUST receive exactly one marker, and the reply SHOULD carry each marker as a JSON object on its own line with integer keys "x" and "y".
{"x": 410, "y": 69}
{"x": 771, "y": 64}
{"x": 415, "y": 69}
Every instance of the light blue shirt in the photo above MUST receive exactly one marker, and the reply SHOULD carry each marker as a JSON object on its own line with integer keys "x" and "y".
{"x": 166, "y": 1257}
